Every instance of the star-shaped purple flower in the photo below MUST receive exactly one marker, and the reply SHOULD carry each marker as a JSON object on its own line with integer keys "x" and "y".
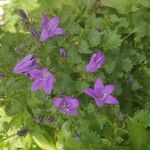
{"x": 101, "y": 93}
{"x": 50, "y": 28}
{"x": 43, "y": 79}
{"x": 67, "y": 105}
{"x": 96, "y": 62}
{"x": 26, "y": 64}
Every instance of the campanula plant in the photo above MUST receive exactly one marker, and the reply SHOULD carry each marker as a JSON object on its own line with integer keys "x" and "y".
{"x": 74, "y": 75}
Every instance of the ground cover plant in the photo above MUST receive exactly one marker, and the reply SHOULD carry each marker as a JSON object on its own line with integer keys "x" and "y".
{"x": 74, "y": 75}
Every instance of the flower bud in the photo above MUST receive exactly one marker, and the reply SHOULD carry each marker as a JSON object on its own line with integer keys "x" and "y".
{"x": 39, "y": 119}
{"x": 50, "y": 120}
{"x": 63, "y": 52}
{"x": 34, "y": 32}
{"x": 23, "y": 132}
{"x": 23, "y": 15}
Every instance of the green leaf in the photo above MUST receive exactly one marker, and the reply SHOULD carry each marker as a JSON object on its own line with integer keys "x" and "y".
{"x": 143, "y": 117}
{"x": 121, "y": 6}
{"x": 84, "y": 48}
{"x": 43, "y": 142}
{"x": 94, "y": 38}
{"x": 127, "y": 65}
{"x": 111, "y": 40}
{"x": 138, "y": 134}
{"x": 110, "y": 66}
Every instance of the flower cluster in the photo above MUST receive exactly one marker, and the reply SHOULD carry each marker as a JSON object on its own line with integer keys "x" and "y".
{"x": 44, "y": 79}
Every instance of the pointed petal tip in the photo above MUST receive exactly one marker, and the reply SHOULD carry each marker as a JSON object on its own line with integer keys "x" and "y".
{"x": 98, "y": 84}
{"x": 111, "y": 100}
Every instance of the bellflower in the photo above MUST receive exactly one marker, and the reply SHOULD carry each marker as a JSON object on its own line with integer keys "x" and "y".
{"x": 43, "y": 79}
{"x": 67, "y": 105}
{"x": 26, "y": 64}
{"x": 50, "y": 28}
{"x": 101, "y": 93}
{"x": 96, "y": 62}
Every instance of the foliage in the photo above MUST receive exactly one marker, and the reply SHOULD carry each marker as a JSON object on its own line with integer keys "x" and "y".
{"x": 121, "y": 30}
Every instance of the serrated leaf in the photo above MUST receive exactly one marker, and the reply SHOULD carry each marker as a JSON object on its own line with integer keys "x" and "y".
{"x": 138, "y": 134}
{"x": 143, "y": 117}
{"x": 110, "y": 66}
{"x": 111, "y": 40}
{"x": 127, "y": 65}
{"x": 94, "y": 38}
{"x": 84, "y": 48}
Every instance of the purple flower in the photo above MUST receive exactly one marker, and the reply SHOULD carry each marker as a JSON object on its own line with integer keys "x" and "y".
{"x": 101, "y": 93}
{"x": 63, "y": 52}
{"x": 96, "y": 62}
{"x": 67, "y": 105}
{"x": 43, "y": 79}
{"x": 26, "y": 64}
{"x": 50, "y": 28}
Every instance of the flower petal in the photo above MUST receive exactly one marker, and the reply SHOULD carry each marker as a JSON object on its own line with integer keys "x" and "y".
{"x": 111, "y": 100}
{"x": 28, "y": 57}
{"x": 99, "y": 102}
{"x": 90, "y": 92}
{"x": 48, "y": 85}
{"x": 59, "y": 31}
{"x": 44, "y": 35}
{"x": 23, "y": 66}
{"x": 35, "y": 73}
{"x": 58, "y": 101}
{"x": 73, "y": 102}
{"x": 98, "y": 84}
{"x": 37, "y": 84}
{"x": 96, "y": 61}
{"x": 52, "y": 77}
{"x": 109, "y": 89}
{"x": 72, "y": 112}
{"x": 44, "y": 21}
{"x": 54, "y": 22}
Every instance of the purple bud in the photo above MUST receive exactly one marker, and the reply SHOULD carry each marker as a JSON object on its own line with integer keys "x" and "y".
{"x": 2, "y": 75}
{"x": 34, "y": 32}
{"x": 23, "y": 132}
{"x": 23, "y": 14}
{"x": 17, "y": 50}
{"x": 39, "y": 119}
{"x": 63, "y": 52}
{"x": 50, "y": 120}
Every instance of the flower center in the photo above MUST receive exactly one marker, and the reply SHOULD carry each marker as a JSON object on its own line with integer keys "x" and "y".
{"x": 48, "y": 27}
{"x": 65, "y": 106}
{"x": 103, "y": 96}
{"x": 45, "y": 75}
